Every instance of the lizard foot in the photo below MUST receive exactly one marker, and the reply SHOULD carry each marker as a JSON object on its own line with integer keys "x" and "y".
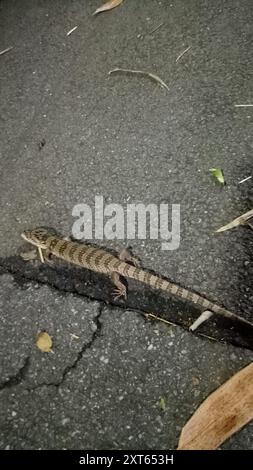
{"x": 120, "y": 292}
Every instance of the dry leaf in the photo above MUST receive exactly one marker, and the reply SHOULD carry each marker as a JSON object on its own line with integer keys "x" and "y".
{"x": 223, "y": 413}
{"x": 108, "y": 6}
{"x": 44, "y": 342}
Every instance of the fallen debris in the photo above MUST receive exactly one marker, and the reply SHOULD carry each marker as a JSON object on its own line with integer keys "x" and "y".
{"x": 243, "y": 105}
{"x": 73, "y": 336}
{"x": 183, "y": 53}
{"x": 242, "y": 220}
{"x": 222, "y": 414}
{"x": 71, "y": 31}
{"x": 143, "y": 73}
{"x": 156, "y": 28}
{"x": 201, "y": 319}
{"x": 108, "y": 6}
{"x": 245, "y": 179}
{"x": 218, "y": 175}
{"x": 44, "y": 342}
{"x": 6, "y": 50}
{"x": 154, "y": 317}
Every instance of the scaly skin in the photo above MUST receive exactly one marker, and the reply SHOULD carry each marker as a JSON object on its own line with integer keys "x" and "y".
{"x": 99, "y": 260}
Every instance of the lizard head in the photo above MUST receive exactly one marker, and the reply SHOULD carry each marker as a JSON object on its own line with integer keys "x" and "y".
{"x": 37, "y": 237}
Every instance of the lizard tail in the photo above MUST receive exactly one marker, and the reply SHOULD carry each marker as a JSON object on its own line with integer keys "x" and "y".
{"x": 158, "y": 283}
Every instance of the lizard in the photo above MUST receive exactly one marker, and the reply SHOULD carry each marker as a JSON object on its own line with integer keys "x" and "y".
{"x": 102, "y": 261}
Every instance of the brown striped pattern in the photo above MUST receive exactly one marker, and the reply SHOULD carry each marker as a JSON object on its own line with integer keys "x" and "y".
{"x": 52, "y": 243}
{"x": 101, "y": 261}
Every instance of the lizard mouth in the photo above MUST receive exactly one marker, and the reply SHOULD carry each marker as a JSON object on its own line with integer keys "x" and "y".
{"x": 27, "y": 239}
{"x": 23, "y": 235}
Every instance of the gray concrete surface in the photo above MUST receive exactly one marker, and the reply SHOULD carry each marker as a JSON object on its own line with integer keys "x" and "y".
{"x": 128, "y": 140}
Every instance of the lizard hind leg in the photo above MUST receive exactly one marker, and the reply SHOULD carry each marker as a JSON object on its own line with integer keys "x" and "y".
{"x": 121, "y": 290}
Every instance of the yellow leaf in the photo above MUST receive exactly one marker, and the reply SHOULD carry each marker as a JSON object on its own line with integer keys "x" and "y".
{"x": 108, "y": 6}
{"x": 44, "y": 342}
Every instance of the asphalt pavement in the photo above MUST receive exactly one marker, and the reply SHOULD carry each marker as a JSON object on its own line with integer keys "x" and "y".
{"x": 70, "y": 132}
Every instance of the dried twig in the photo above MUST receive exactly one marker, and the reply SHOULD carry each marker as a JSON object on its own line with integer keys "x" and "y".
{"x": 183, "y": 53}
{"x": 143, "y": 73}
{"x": 6, "y": 50}
{"x": 245, "y": 179}
{"x": 243, "y": 105}
{"x": 71, "y": 30}
{"x": 156, "y": 29}
{"x": 154, "y": 317}
{"x": 238, "y": 221}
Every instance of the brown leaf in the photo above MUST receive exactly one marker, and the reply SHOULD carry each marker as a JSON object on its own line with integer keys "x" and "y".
{"x": 108, "y": 6}
{"x": 44, "y": 342}
{"x": 223, "y": 413}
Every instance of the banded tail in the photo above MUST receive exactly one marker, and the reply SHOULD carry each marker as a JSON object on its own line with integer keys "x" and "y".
{"x": 158, "y": 283}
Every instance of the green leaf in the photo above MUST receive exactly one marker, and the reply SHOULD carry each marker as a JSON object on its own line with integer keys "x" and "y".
{"x": 162, "y": 404}
{"x": 218, "y": 174}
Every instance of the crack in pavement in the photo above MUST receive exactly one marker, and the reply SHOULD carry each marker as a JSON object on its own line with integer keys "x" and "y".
{"x": 79, "y": 356}
{"x": 97, "y": 287}
{"x": 18, "y": 377}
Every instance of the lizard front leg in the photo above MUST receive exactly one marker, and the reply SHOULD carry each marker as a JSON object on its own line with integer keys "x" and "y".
{"x": 120, "y": 290}
{"x": 45, "y": 256}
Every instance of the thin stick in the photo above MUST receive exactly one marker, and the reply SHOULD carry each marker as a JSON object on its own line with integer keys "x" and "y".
{"x": 243, "y": 105}
{"x": 182, "y": 53}
{"x": 155, "y": 29}
{"x": 245, "y": 179}
{"x": 143, "y": 73}
{"x": 6, "y": 50}
{"x": 238, "y": 221}
{"x": 154, "y": 317}
{"x": 71, "y": 30}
